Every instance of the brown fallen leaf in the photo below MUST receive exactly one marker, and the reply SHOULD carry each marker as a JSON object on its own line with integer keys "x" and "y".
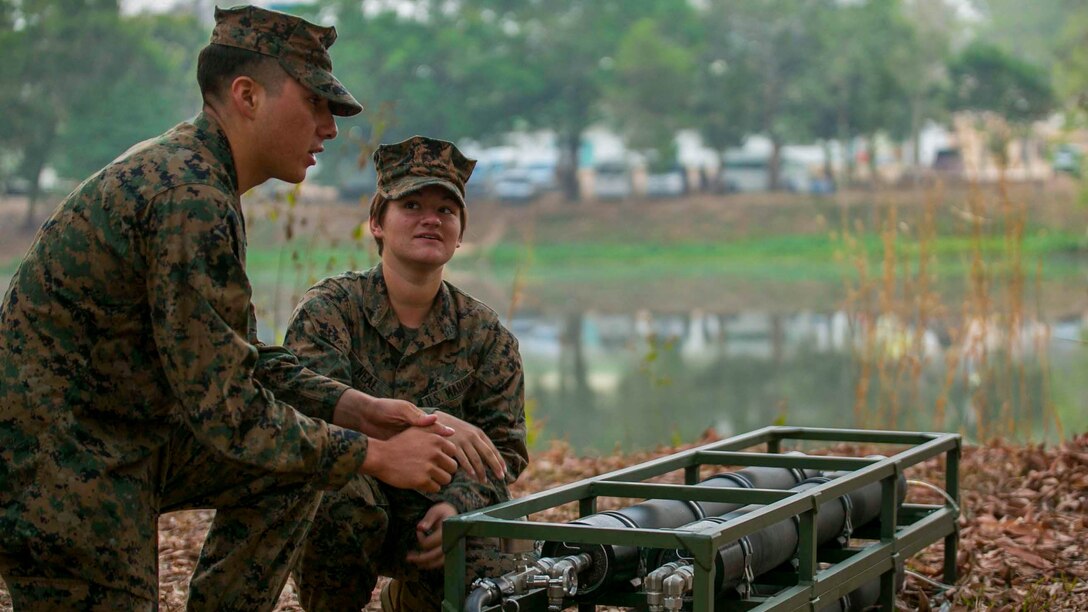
{"x": 1030, "y": 558}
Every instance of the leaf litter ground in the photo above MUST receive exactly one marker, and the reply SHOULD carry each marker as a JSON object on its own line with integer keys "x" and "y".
{"x": 1023, "y": 543}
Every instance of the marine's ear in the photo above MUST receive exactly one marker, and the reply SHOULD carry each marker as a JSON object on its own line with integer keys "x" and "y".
{"x": 375, "y": 227}
{"x": 246, "y": 95}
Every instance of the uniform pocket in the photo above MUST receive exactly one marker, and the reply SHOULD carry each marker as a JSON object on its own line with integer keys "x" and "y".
{"x": 448, "y": 396}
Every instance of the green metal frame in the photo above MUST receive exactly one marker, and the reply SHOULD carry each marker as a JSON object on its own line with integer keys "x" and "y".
{"x": 903, "y": 531}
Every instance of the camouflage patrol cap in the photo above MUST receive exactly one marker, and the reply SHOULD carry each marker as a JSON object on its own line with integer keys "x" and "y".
{"x": 411, "y": 165}
{"x": 300, "y": 46}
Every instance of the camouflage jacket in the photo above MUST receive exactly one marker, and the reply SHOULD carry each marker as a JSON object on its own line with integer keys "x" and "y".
{"x": 130, "y": 317}
{"x": 461, "y": 361}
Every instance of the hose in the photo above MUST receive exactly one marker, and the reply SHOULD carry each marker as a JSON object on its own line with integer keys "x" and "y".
{"x": 477, "y": 599}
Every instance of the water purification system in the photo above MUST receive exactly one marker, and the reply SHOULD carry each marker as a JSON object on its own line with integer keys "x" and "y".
{"x": 612, "y": 564}
{"x": 784, "y": 532}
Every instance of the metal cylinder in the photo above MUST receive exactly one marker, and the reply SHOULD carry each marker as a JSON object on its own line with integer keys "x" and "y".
{"x": 862, "y": 598}
{"x": 738, "y": 562}
{"x": 616, "y": 563}
{"x": 752, "y": 478}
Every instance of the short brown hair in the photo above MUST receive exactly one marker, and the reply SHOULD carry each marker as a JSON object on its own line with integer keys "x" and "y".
{"x": 218, "y": 65}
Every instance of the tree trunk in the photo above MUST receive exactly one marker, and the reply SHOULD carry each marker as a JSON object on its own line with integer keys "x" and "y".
{"x": 774, "y": 164}
{"x": 35, "y": 156}
{"x": 577, "y": 380}
{"x": 847, "y": 145}
{"x": 720, "y": 182}
{"x": 568, "y": 165}
{"x": 874, "y": 176}
{"x": 33, "y": 176}
{"x": 778, "y": 339}
{"x": 916, "y": 134}
{"x": 829, "y": 170}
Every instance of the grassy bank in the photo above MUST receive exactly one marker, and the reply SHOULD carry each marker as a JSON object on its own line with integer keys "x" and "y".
{"x": 781, "y": 257}
{"x": 773, "y": 236}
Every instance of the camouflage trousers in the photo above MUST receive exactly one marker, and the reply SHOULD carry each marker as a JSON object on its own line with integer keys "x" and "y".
{"x": 255, "y": 539}
{"x": 366, "y": 530}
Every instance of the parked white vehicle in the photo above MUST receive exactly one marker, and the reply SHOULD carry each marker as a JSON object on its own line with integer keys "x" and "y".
{"x": 665, "y": 184}
{"x": 612, "y": 182}
{"x": 515, "y": 185}
{"x": 543, "y": 175}
{"x": 749, "y": 174}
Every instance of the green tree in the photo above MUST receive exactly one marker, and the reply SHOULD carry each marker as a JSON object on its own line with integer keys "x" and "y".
{"x": 1025, "y": 31}
{"x": 935, "y": 25}
{"x": 768, "y": 46}
{"x": 569, "y": 47}
{"x": 44, "y": 70}
{"x": 153, "y": 89}
{"x": 1052, "y": 34}
{"x": 985, "y": 79}
{"x": 868, "y": 52}
{"x": 724, "y": 104}
{"x": 446, "y": 71}
{"x": 651, "y": 94}
{"x": 1072, "y": 52}
{"x": 77, "y": 81}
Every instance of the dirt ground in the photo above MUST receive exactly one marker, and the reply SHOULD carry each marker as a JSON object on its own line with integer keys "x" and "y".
{"x": 699, "y": 217}
{"x": 1022, "y": 547}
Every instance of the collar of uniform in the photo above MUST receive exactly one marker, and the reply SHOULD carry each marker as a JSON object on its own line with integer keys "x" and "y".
{"x": 440, "y": 325}
{"x": 376, "y": 306}
{"x": 213, "y": 137}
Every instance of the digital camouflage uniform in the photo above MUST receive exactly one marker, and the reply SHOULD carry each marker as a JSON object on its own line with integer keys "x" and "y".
{"x": 461, "y": 361}
{"x": 132, "y": 383}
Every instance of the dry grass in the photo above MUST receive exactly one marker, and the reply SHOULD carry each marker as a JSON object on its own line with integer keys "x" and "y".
{"x": 992, "y": 327}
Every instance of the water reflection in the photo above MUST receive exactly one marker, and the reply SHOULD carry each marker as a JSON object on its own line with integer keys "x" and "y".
{"x": 642, "y": 379}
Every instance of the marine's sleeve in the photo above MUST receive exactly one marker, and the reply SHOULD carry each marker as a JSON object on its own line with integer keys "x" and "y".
{"x": 199, "y": 297}
{"x": 319, "y": 334}
{"x": 279, "y": 370}
{"x": 495, "y": 404}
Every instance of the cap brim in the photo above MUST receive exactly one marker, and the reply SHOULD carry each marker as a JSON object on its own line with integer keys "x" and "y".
{"x": 324, "y": 84}
{"x": 411, "y": 184}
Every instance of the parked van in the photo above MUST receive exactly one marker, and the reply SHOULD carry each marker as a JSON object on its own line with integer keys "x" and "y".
{"x": 612, "y": 181}
{"x": 746, "y": 174}
{"x": 515, "y": 185}
{"x": 670, "y": 184}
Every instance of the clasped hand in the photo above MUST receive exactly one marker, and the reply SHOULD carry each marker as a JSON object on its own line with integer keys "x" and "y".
{"x": 414, "y": 450}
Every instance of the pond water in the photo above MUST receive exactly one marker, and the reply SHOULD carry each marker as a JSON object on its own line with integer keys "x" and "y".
{"x": 603, "y": 375}
{"x": 670, "y": 358}
{"x": 634, "y": 382}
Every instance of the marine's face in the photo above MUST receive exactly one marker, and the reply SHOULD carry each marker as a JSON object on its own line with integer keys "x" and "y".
{"x": 421, "y": 229}
{"x": 297, "y": 122}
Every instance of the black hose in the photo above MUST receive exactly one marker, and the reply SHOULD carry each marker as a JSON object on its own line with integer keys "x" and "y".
{"x": 476, "y": 599}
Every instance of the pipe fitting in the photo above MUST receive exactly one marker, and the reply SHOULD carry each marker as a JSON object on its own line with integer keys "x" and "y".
{"x": 532, "y": 575}
{"x": 677, "y": 585}
{"x": 563, "y": 578}
{"x": 654, "y": 583}
{"x": 484, "y": 592}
